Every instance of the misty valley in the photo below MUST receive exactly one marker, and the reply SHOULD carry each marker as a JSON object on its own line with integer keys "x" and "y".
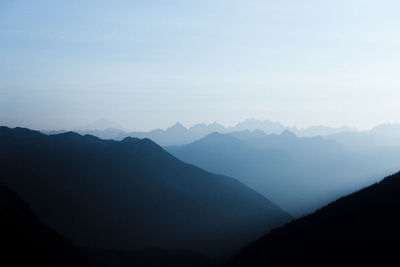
{"x": 240, "y": 196}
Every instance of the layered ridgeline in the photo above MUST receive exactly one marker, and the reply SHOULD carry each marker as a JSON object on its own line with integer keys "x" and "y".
{"x": 299, "y": 174}
{"x": 130, "y": 194}
{"x": 178, "y": 134}
{"x": 361, "y": 229}
{"x": 27, "y": 241}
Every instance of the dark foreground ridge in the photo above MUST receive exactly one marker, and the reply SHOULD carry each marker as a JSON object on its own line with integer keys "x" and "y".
{"x": 361, "y": 229}
{"x": 26, "y": 241}
{"x": 131, "y": 194}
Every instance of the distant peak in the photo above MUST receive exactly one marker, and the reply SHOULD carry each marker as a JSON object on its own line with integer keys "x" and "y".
{"x": 100, "y": 125}
{"x": 219, "y": 136}
{"x": 288, "y": 133}
{"x": 216, "y": 124}
{"x": 214, "y": 134}
{"x": 177, "y": 126}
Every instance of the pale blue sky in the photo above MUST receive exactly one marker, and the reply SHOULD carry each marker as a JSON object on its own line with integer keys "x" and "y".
{"x": 148, "y": 64}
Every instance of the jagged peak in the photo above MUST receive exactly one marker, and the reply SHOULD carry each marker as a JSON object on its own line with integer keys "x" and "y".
{"x": 177, "y": 126}
{"x": 288, "y": 133}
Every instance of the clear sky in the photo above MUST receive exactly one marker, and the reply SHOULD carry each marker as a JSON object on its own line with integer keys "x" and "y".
{"x": 148, "y": 64}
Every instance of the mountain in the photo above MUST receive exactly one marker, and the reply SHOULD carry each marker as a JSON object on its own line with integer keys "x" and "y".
{"x": 26, "y": 240}
{"x": 109, "y": 133}
{"x": 100, "y": 125}
{"x": 320, "y": 130}
{"x": 266, "y": 126}
{"x": 383, "y": 135}
{"x": 299, "y": 174}
{"x": 361, "y": 229}
{"x": 176, "y": 134}
{"x": 179, "y": 135}
{"x": 228, "y": 155}
{"x": 130, "y": 194}
{"x": 203, "y": 129}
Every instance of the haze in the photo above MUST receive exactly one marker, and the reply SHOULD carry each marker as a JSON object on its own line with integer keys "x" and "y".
{"x": 148, "y": 64}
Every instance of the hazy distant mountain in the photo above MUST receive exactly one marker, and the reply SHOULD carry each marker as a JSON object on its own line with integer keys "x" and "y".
{"x": 383, "y": 135}
{"x": 108, "y": 134}
{"x": 299, "y": 174}
{"x": 180, "y": 135}
{"x": 203, "y": 129}
{"x": 266, "y": 126}
{"x": 177, "y": 134}
{"x": 100, "y": 125}
{"x": 361, "y": 229}
{"x": 27, "y": 241}
{"x": 102, "y": 128}
{"x": 258, "y": 168}
{"x": 320, "y": 130}
{"x": 130, "y": 194}
{"x": 387, "y": 133}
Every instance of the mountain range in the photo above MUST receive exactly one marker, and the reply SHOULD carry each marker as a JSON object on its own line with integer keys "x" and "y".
{"x": 300, "y": 174}
{"x": 178, "y": 134}
{"x": 83, "y": 201}
{"x": 130, "y": 194}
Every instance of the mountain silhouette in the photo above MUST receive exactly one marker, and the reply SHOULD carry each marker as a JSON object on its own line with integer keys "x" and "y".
{"x": 266, "y": 126}
{"x": 320, "y": 130}
{"x": 383, "y": 135}
{"x": 178, "y": 134}
{"x": 361, "y": 229}
{"x": 27, "y": 241}
{"x": 130, "y": 194}
{"x": 100, "y": 125}
{"x": 299, "y": 174}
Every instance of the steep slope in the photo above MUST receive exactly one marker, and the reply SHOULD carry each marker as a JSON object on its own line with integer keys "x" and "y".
{"x": 225, "y": 154}
{"x": 130, "y": 194}
{"x": 299, "y": 174}
{"x": 26, "y": 240}
{"x": 361, "y": 229}
{"x": 269, "y": 171}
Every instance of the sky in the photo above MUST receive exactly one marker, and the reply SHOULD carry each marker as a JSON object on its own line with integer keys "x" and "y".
{"x": 148, "y": 64}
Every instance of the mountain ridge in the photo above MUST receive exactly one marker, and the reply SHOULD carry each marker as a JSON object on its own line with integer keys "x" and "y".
{"x": 358, "y": 229}
{"x": 178, "y": 134}
{"x": 300, "y": 174}
{"x": 129, "y": 194}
